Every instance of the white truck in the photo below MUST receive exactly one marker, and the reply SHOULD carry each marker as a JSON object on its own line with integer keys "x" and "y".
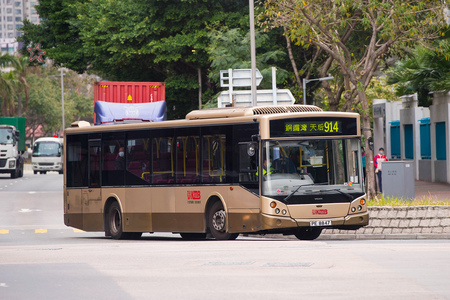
{"x": 48, "y": 155}
{"x": 12, "y": 145}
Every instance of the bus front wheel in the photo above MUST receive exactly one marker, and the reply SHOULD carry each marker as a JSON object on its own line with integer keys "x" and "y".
{"x": 308, "y": 233}
{"x": 217, "y": 223}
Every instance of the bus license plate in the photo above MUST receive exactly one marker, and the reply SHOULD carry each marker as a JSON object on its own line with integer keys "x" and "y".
{"x": 320, "y": 223}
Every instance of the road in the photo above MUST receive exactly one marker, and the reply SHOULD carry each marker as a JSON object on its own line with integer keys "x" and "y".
{"x": 41, "y": 258}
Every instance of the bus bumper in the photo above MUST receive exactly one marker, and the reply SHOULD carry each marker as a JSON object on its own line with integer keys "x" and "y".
{"x": 352, "y": 221}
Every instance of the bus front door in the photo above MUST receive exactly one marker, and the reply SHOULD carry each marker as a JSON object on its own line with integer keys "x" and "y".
{"x": 92, "y": 196}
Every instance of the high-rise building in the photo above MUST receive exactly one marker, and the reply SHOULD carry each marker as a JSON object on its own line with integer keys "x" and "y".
{"x": 12, "y": 14}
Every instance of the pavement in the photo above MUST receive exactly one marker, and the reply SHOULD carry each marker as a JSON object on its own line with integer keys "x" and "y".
{"x": 437, "y": 191}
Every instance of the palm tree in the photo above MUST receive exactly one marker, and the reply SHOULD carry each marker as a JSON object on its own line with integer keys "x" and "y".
{"x": 7, "y": 81}
{"x": 424, "y": 71}
{"x": 23, "y": 69}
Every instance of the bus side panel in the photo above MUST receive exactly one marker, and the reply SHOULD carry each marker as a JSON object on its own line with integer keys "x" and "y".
{"x": 243, "y": 210}
{"x": 73, "y": 210}
{"x": 190, "y": 206}
{"x": 137, "y": 209}
{"x": 163, "y": 209}
{"x": 91, "y": 202}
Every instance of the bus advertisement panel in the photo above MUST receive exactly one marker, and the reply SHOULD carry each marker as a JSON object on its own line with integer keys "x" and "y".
{"x": 292, "y": 170}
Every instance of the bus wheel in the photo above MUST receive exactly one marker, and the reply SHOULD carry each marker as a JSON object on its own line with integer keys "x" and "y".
{"x": 115, "y": 222}
{"x": 35, "y": 172}
{"x": 308, "y": 233}
{"x": 193, "y": 236}
{"x": 218, "y": 224}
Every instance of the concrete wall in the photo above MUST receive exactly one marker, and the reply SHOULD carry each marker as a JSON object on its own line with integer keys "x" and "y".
{"x": 440, "y": 112}
{"x": 406, "y": 221}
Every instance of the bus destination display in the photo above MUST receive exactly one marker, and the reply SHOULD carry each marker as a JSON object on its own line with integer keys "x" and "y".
{"x": 313, "y": 126}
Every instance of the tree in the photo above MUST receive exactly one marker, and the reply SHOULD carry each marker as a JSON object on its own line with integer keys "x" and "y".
{"x": 136, "y": 40}
{"x": 7, "y": 85}
{"x": 379, "y": 27}
{"x": 426, "y": 69}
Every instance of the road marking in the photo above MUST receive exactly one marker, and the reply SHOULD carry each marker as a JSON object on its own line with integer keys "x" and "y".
{"x": 4, "y": 231}
{"x": 2, "y": 284}
{"x": 26, "y": 210}
{"x": 78, "y": 230}
{"x": 40, "y": 231}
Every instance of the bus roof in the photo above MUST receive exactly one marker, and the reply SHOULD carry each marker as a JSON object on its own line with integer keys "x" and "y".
{"x": 230, "y": 112}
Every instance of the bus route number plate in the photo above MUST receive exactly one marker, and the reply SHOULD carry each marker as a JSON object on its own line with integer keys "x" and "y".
{"x": 320, "y": 223}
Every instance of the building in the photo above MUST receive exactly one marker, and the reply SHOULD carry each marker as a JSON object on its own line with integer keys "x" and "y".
{"x": 12, "y": 14}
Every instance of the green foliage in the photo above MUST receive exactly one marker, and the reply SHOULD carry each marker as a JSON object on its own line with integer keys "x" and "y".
{"x": 381, "y": 200}
{"x": 230, "y": 49}
{"x": 425, "y": 69}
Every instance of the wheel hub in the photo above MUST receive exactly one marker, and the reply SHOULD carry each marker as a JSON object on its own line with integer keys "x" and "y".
{"x": 218, "y": 220}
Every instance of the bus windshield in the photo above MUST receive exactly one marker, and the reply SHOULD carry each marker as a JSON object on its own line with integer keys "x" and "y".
{"x": 311, "y": 167}
{"x": 46, "y": 149}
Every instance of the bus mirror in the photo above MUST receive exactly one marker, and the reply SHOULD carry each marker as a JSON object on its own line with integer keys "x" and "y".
{"x": 251, "y": 149}
{"x": 256, "y": 138}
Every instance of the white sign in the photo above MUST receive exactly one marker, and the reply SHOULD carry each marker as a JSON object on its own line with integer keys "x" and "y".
{"x": 238, "y": 77}
{"x": 263, "y": 98}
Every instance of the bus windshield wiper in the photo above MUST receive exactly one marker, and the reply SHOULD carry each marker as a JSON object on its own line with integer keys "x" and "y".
{"x": 339, "y": 191}
{"x": 300, "y": 186}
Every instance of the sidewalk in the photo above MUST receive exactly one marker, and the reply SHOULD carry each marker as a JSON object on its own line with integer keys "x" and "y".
{"x": 432, "y": 190}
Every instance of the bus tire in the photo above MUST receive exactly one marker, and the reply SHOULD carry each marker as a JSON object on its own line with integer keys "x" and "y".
{"x": 14, "y": 174}
{"x": 308, "y": 233}
{"x": 193, "y": 236}
{"x": 115, "y": 222}
{"x": 35, "y": 172}
{"x": 217, "y": 223}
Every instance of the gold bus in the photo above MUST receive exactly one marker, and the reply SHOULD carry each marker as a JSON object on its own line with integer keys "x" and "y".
{"x": 292, "y": 170}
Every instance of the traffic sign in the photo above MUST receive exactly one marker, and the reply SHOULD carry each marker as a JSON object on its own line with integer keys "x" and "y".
{"x": 238, "y": 77}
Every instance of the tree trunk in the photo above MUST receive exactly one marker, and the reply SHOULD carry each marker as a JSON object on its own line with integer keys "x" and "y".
{"x": 367, "y": 131}
{"x": 291, "y": 58}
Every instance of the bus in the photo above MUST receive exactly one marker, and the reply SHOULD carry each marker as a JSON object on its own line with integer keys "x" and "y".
{"x": 48, "y": 155}
{"x": 218, "y": 173}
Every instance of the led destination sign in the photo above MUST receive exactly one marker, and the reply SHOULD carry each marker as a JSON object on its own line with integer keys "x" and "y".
{"x": 316, "y": 126}
{"x": 313, "y": 127}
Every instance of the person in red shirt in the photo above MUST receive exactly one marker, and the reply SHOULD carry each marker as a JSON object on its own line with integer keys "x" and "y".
{"x": 378, "y": 161}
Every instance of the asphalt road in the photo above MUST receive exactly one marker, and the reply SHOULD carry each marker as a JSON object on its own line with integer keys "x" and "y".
{"x": 41, "y": 258}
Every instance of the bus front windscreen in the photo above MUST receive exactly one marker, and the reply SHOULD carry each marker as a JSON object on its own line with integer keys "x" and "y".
{"x": 46, "y": 149}
{"x": 312, "y": 171}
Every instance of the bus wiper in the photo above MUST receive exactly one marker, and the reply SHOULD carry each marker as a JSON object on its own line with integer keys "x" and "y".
{"x": 339, "y": 191}
{"x": 300, "y": 186}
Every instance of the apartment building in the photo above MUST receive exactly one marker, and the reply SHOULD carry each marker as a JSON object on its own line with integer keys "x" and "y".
{"x": 12, "y": 14}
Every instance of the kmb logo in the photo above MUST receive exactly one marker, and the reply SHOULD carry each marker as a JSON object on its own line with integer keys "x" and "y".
{"x": 193, "y": 195}
{"x": 320, "y": 211}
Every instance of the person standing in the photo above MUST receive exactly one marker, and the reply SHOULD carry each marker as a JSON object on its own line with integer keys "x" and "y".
{"x": 378, "y": 161}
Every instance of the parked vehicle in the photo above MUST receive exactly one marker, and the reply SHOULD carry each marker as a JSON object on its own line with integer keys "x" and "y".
{"x": 48, "y": 155}
{"x": 12, "y": 145}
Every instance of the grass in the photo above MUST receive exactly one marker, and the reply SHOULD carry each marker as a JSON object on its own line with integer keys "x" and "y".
{"x": 380, "y": 200}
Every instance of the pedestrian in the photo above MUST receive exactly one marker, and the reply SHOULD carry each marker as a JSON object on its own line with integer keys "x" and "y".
{"x": 378, "y": 160}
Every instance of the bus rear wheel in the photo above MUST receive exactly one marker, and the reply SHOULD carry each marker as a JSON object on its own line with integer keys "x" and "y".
{"x": 308, "y": 233}
{"x": 115, "y": 224}
{"x": 217, "y": 223}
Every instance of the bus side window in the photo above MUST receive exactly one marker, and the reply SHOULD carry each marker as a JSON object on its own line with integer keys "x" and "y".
{"x": 248, "y": 161}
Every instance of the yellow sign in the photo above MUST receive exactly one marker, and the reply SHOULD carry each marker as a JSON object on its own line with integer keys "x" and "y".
{"x": 129, "y": 98}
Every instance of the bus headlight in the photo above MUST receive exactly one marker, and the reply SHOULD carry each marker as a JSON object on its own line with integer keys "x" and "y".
{"x": 12, "y": 164}
{"x": 284, "y": 212}
{"x": 353, "y": 209}
{"x": 277, "y": 211}
{"x": 362, "y": 201}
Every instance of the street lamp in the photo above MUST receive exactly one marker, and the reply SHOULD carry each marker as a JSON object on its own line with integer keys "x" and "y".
{"x": 253, "y": 50}
{"x": 305, "y": 81}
